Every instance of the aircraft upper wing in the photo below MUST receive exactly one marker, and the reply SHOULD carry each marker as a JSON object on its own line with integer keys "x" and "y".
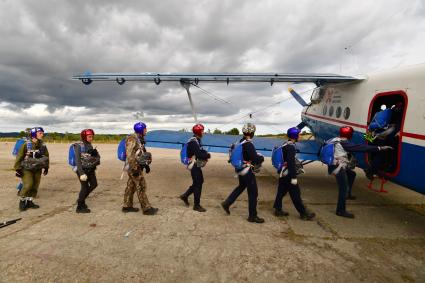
{"x": 307, "y": 150}
{"x": 195, "y": 78}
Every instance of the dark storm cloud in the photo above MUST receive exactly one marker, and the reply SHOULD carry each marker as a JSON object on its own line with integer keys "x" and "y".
{"x": 45, "y": 42}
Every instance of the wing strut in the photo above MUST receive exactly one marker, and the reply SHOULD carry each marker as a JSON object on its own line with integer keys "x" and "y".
{"x": 186, "y": 86}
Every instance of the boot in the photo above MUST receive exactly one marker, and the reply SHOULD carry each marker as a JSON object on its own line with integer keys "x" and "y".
{"x": 280, "y": 213}
{"x": 345, "y": 214}
{"x": 30, "y": 204}
{"x": 130, "y": 209}
{"x": 255, "y": 219}
{"x": 82, "y": 209}
{"x": 307, "y": 215}
{"x": 226, "y": 207}
{"x": 22, "y": 205}
{"x": 199, "y": 208}
{"x": 185, "y": 199}
{"x": 150, "y": 211}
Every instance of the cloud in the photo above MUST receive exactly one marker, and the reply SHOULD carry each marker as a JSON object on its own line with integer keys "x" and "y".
{"x": 45, "y": 43}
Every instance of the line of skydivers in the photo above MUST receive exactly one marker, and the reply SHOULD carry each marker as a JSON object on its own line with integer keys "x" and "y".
{"x": 32, "y": 160}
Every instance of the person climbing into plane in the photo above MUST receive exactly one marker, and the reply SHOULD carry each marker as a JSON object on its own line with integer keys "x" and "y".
{"x": 199, "y": 158}
{"x": 344, "y": 163}
{"x": 288, "y": 181}
{"x": 246, "y": 176}
{"x": 384, "y": 131}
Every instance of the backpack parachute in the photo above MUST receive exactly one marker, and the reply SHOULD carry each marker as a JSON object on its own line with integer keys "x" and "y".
{"x": 71, "y": 154}
{"x": 19, "y": 143}
{"x": 380, "y": 120}
{"x": 277, "y": 158}
{"x": 121, "y": 151}
{"x": 236, "y": 156}
{"x": 184, "y": 157}
{"x": 327, "y": 152}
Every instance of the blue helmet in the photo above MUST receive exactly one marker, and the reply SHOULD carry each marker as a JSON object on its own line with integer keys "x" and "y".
{"x": 33, "y": 131}
{"x": 293, "y": 133}
{"x": 139, "y": 127}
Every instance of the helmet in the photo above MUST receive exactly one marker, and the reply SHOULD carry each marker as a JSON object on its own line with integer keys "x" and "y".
{"x": 85, "y": 133}
{"x": 33, "y": 131}
{"x": 293, "y": 133}
{"x": 248, "y": 129}
{"x": 346, "y": 132}
{"x": 198, "y": 129}
{"x": 139, "y": 127}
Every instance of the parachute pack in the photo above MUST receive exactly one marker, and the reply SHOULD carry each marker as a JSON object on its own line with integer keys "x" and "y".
{"x": 19, "y": 143}
{"x": 71, "y": 154}
{"x": 277, "y": 158}
{"x": 184, "y": 157}
{"x": 381, "y": 120}
{"x": 121, "y": 151}
{"x": 236, "y": 156}
{"x": 327, "y": 153}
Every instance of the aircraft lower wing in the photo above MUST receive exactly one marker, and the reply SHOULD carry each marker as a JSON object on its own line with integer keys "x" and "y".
{"x": 307, "y": 150}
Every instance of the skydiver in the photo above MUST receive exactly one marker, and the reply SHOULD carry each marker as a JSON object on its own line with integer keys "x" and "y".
{"x": 288, "y": 178}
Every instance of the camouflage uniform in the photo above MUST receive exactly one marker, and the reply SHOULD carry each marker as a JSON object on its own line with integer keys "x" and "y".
{"x": 136, "y": 180}
{"x": 30, "y": 178}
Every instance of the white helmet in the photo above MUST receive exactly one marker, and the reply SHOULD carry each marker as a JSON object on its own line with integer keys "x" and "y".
{"x": 248, "y": 129}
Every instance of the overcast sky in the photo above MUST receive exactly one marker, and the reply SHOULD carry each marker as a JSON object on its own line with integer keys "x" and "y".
{"x": 44, "y": 43}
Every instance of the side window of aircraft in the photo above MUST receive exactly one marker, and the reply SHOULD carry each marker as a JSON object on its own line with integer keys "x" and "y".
{"x": 347, "y": 113}
{"x": 331, "y": 111}
{"x": 325, "y": 109}
{"x": 338, "y": 112}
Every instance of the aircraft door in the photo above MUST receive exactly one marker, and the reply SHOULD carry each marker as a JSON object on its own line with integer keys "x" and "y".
{"x": 387, "y": 112}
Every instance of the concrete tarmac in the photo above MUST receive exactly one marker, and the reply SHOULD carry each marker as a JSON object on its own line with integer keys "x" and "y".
{"x": 384, "y": 243}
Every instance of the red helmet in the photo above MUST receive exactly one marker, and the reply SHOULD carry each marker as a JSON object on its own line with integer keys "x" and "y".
{"x": 198, "y": 129}
{"x": 85, "y": 133}
{"x": 346, "y": 132}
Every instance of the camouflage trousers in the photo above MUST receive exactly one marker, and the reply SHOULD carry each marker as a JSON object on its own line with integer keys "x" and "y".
{"x": 136, "y": 184}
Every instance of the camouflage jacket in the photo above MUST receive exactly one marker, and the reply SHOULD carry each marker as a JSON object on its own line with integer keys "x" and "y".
{"x": 134, "y": 147}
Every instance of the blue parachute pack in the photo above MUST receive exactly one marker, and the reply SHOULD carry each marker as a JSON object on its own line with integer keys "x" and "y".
{"x": 19, "y": 144}
{"x": 277, "y": 158}
{"x": 380, "y": 120}
{"x": 71, "y": 154}
{"x": 184, "y": 158}
{"x": 236, "y": 156}
{"x": 327, "y": 152}
{"x": 121, "y": 151}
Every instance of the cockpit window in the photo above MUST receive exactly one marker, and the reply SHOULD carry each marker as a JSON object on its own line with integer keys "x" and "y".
{"x": 317, "y": 95}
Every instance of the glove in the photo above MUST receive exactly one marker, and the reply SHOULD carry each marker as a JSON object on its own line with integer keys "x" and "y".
{"x": 83, "y": 178}
{"x": 208, "y": 155}
{"x": 19, "y": 173}
{"x": 147, "y": 169}
{"x": 386, "y": 147}
{"x": 294, "y": 181}
{"x": 46, "y": 170}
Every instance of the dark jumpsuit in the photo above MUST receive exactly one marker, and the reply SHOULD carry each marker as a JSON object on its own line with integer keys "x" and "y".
{"x": 285, "y": 186}
{"x": 194, "y": 148}
{"x": 248, "y": 181}
{"x": 86, "y": 186}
